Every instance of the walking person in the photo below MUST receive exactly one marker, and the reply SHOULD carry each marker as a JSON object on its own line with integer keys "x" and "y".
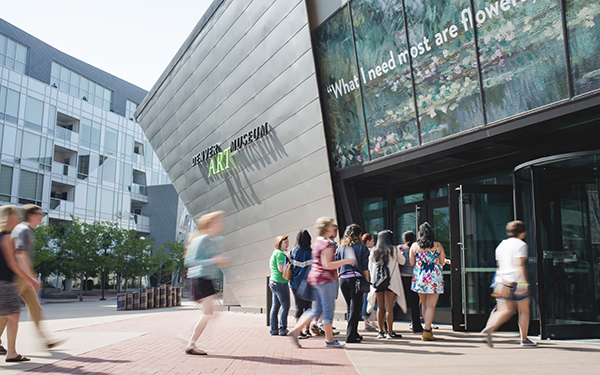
{"x": 202, "y": 258}
{"x": 406, "y": 271}
{"x": 352, "y": 247}
{"x": 322, "y": 278}
{"x": 10, "y": 305}
{"x": 370, "y": 326}
{"x": 386, "y": 255}
{"x": 22, "y": 237}
{"x": 279, "y": 287}
{"x": 301, "y": 260}
{"x": 427, "y": 256}
{"x": 511, "y": 257}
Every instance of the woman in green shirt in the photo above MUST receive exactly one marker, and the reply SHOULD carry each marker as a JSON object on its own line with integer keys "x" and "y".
{"x": 279, "y": 287}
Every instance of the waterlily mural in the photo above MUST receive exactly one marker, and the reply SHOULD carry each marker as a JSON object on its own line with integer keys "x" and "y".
{"x": 396, "y": 74}
{"x": 583, "y": 23}
{"x": 445, "y": 69}
{"x": 342, "y": 103}
{"x": 387, "y": 89}
{"x": 522, "y": 55}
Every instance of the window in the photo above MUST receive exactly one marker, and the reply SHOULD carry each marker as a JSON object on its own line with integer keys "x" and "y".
{"x": 9, "y": 104}
{"x": 13, "y": 55}
{"x": 83, "y": 167}
{"x": 31, "y": 151}
{"x": 6, "y": 175}
{"x": 130, "y": 108}
{"x": 30, "y": 187}
{"x": 77, "y": 85}
{"x": 138, "y": 148}
{"x": 34, "y": 111}
{"x": 110, "y": 141}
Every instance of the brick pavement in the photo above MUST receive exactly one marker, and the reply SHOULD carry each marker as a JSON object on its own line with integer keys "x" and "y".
{"x": 236, "y": 343}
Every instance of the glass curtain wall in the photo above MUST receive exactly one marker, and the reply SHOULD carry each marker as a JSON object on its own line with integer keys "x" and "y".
{"x": 398, "y": 74}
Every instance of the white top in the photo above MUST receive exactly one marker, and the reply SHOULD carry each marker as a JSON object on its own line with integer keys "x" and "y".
{"x": 507, "y": 255}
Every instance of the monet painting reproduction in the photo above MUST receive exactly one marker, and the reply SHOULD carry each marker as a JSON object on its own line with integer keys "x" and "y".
{"x": 396, "y": 74}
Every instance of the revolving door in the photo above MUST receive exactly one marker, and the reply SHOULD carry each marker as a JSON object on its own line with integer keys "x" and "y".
{"x": 557, "y": 197}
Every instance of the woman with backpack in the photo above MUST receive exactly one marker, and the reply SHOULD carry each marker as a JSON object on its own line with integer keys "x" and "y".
{"x": 427, "y": 257}
{"x": 387, "y": 282}
{"x": 301, "y": 259}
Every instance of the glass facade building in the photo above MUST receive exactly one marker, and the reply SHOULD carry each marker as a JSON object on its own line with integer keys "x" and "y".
{"x": 68, "y": 141}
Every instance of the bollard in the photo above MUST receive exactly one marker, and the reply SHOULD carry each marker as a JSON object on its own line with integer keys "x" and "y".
{"x": 173, "y": 296}
{"x": 150, "y": 292}
{"x": 162, "y": 298}
{"x": 157, "y": 297}
{"x": 136, "y": 300}
{"x": 129, "y": 301}
{"x": 143, "y": 299}
{"x": 121, "y": 302}
{"x": 179, "y": 295}
{"x": 168, "y": 295}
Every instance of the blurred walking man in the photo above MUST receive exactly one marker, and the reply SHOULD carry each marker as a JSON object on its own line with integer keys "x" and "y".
{"x": 22, "y": 236}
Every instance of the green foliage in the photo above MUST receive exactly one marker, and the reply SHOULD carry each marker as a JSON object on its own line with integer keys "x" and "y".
{"x": 132, "y": 255}
{"x": 45, "y": 260}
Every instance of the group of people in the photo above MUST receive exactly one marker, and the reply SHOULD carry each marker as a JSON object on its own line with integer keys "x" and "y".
{"x": 410, "y": 272}
{"x": 18, "y": 280}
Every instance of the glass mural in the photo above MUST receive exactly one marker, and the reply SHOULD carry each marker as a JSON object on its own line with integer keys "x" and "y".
{"x": 444, "y": 68}
{"x": 522, "y": 55}
{"x": 379, "y": 34}
{"x": 340, "y": 91}
{"x": 583, "y": 24}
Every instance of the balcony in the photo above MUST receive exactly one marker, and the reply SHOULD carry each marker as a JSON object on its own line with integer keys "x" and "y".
{"x": 66, "y": 134}
{"x": 64, "y": 170}
{"x": 139, "y": 192}
{"x": 61, "y": 209}
{"x": 140, "y": 223}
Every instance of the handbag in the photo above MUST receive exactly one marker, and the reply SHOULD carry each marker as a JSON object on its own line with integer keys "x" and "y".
{"x": 502, "y": 290}
{"x": 361, "y": 285}
{"x": 305, "y": 291}
{"x": 288, "y": 273}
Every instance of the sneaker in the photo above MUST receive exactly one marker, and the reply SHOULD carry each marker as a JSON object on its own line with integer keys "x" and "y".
{"x": 274, "y": 333}
{"x": 334, "y": 344}
{"x": 316, "y": 330}
{"x": 333, "y": 332}
{"x": 488, "y": 340}
{"x": 303, "y": 335}
{"x": 393, "y": 335}
{"x": 381, "y": 335}
{"x": 284, "y": 333}
{"x": 528, "y": 343}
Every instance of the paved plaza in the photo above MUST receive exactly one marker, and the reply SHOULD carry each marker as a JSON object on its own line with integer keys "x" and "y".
{"x": 101, "y": 340}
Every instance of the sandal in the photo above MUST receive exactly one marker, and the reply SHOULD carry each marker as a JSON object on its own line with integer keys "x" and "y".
{"x": 195, "y": 351}
{"x": 18, "y": 358}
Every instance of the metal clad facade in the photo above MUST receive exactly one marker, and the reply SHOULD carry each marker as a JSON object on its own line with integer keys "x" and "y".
{"x": 249, "y": 64}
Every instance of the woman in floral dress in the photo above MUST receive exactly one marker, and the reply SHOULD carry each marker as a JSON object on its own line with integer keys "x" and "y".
{"x": 427, "y": 257}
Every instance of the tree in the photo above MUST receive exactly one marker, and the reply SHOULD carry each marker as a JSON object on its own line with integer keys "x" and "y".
{"x": 132, "y": 256}
{"x": 168, "y": 259}
{"x": 80, "y": 244}
{"x": 45, "y": 260}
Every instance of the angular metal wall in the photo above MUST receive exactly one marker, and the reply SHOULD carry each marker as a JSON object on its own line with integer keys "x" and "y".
{"x": 246, "y": 63}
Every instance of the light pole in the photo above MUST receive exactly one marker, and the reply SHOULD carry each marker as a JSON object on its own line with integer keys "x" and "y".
{"x": 105, "y": 246}
{"x": 143, "y": 239}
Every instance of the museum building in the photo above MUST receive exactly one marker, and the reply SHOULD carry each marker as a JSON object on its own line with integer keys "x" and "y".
{"x": 465, "y": 114}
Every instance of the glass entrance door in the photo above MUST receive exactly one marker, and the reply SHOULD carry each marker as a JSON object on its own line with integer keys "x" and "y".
{"x": 478, "y": 215}
{"x": 435, "y": 212}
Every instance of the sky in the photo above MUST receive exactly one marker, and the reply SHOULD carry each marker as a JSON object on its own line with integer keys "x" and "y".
{"x": 132, "y": 39}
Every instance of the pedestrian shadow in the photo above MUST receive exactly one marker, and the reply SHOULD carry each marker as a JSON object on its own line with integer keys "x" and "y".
{"x": 276, "y": 360}
{"x": 55, "y": 369}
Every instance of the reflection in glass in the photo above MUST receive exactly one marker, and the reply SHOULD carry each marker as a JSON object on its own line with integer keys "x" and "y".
{"x": 583, "y": 23}
{"x": 385, "y": 76}
{"x": 31, "y": 147}
{"x": 34, "y": 111}
{"x": 523, "y": 63}
{"x": 341, "y": 99}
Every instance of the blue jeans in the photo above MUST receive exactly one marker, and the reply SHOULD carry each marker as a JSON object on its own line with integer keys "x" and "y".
{"x": 281, "y": 299}
{"x": 325, "y": 300}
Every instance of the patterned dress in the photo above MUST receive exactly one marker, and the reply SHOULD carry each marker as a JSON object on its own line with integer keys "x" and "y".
{"x": 427, "y": 274}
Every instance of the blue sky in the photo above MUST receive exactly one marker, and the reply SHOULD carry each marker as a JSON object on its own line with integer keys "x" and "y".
{"x": 132, "y": 39}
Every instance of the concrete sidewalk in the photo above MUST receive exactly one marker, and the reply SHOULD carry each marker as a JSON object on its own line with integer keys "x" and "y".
{"x": 102, "y": 340}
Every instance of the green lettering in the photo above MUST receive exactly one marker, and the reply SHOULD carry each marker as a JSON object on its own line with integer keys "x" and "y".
{"x": 211, "y": 169}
